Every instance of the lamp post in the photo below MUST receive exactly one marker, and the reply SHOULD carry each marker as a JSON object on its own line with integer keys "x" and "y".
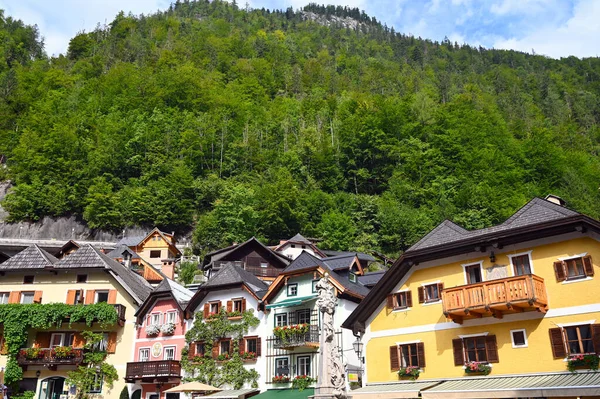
{"x": 358, "y": 348}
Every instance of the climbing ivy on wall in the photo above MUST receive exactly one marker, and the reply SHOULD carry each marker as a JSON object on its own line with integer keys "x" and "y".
{"x": 17, "y": 319}
{"x": 206, "y": 369}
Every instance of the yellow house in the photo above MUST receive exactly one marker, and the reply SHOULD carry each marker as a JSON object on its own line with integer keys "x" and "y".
{"x": 499, "y": 312}
{"x": 86, "y": 276}
{"x": 156, "y": 248}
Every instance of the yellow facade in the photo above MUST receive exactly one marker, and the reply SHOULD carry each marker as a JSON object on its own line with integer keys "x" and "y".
{"x": 54, "y": 289}
{"x": 569, "y": 302}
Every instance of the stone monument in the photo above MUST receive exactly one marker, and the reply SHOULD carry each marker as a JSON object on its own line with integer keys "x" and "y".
{"x": 331, "y": 382}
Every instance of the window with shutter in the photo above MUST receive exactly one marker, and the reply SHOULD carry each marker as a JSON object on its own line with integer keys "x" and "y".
{"x": 574, "y": 268}
{"x": 557, "y": 343}
{"x": 481, "y": 349}
{"x": 401, "y": 300}
{"x": 394, "y": 358}
{"x": 579, "y": 339}
{"x": 430, "y": 293}
{"x": 412, "y": 355}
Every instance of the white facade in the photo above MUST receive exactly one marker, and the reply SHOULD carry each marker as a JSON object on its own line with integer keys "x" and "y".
{"x": 292, "y": 250}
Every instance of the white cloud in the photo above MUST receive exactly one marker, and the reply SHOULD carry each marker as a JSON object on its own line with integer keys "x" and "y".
{"x": 505, "y": 7}
{"x": 578, "y": 36}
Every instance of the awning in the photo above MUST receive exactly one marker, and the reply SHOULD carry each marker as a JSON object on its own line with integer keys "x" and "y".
{"x": 532, "y": 386}
{"x": 234, "y": 393}
{"x": 395, "y": 390}
{"x": 285, "y": 394}
{"x": 291, "y": 302}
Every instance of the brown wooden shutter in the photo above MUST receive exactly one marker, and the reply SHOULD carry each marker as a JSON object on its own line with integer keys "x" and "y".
{"x": 206, "y": 310}
{"x": 557, "y": 343}
{"x": 192, "y": 351}
{"x": 71, "y": 297}
{"x": 559, "y": 271}
{"x": 14, "y": 297}
{"x": 243, "y": 305}
{"x": 421, "y": 293}
{"x": 242, "y": 345}
{"x": 596, "y": 337}
{"x": 258, "y": 345}
{"x": 440, "y": 289}
{"x": 229, "y": 306}
{"x": 78, "y": 340}
{"x": 390, "y": 301}
{"x": 215, "y": 349}
{"x": 588, "y": 266}
{"x": 491, "y": 347}
{"x": 42, "y": 340}
{"x": 421, "y": 354}
{"x": 90, "y": 297}
{"x": 394, "y": 358}
{"x": 112, "y": 297}
{"x": 112, "y": 342}
{"x": 409, "y": 299}
{"x": 457, "y": 348}
{"x": 37, "y": 297}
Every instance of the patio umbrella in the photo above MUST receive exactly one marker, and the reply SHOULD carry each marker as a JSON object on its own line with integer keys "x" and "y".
{"x": 193, "y": 386}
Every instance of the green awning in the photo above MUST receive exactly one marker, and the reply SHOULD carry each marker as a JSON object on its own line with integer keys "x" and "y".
{"x": 234, "y": 393}
{"x": 291, "y": 302}
{"x": 405, "y": 390}
{"x": 285, "y": 394}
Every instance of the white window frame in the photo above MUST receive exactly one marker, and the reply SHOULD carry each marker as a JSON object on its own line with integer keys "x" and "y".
{"x": 402, "y": 309}
{"x": 62, "y": 339}
{"x": 512, "y": 266}
{"x": 168, "y": 348}
{"x": 264, "y": 265}
{"x": 287, "y": 358}
{"x": 27, "y": 294}
{"x": 168, "y": 316}
{"x": 277, "y": 320}
{"x": 100, "y": 292}
{"x": 101, "y": 384}
{"x": 310, "y": 360}
{"x": 465, "y": 265}
{"x": 512, "y": 339}
{"x": 158, "y": 316}
{"x": 210, "y": 307}
{"x": 4, "y": 297}
{"x": 294, "y": 285}
{"x": 425, "y": 301}
{"x": 140, "y": 357}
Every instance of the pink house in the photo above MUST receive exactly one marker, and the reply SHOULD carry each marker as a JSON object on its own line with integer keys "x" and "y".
{"x": 160, "y": 336}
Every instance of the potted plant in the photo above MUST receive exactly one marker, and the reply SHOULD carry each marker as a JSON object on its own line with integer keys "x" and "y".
{"x": 411, "y": 372}
{"x": 152, "y": 330}
{"x": 302, "y": 381}
{"x": 63, "y": 352}
{"x": 477, "y": 368}
{"x": 168, "y": 328}
{"x": 582, "y": 362}
{"x": 223, "y": 357}
{"x": 248, "y": 356}
{"x": 34, "y": 353}
{"x": 235, "y": 315}
{"x": 281, "y": 379}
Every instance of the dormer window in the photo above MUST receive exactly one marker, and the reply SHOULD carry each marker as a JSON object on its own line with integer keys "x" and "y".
{"x": 352, "y": 277}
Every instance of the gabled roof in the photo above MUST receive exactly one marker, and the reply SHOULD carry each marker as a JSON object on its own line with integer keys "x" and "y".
{"x": 120, "y": 250}
{"x": 230, "y": 276}
{"x": 134, "y": 241}
{"x": 361, "y": 255}
{"x": 370, "y": 279}
{"x": 88, "y": 257}
{"x": 166, "y": 289}
{"x": 537, "y": 219}
{"x": 229, "y": 253}
{"x": 342, "y": 262}
{"x": 300, "y": 239}
{"x": 66, "y": 248}
{"x": 32, "y": 257}
{"x": 305, "y": 263}
{"x": 130, "y": 241}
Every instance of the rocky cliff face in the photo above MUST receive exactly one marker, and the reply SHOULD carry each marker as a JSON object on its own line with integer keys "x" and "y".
{"x": 332, "y": 20}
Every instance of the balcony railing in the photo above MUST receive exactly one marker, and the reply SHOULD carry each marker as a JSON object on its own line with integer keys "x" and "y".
{"x": 120, "y": 313}
{"x": 48, "y": 357}
{"x": 307, "y": 339}
{"x": 263, "y": 271}
{"x": 150, "y": 371}
{"x": 495, "y": 297}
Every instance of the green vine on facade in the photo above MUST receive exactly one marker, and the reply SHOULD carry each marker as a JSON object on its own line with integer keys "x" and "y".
{"x": 17, "y": 319}
{"x": 206, "y": 369}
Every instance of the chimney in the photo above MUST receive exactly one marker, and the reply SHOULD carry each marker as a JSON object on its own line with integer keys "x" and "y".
{"x": 555, "y": 199}
{"x": 168, "y": 268}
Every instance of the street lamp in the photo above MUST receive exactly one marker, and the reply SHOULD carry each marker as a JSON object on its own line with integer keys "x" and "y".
{"x": 358, "y": 348}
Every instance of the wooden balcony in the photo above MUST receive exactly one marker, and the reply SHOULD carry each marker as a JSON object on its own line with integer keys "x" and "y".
{"x": 158, "y": 371}
{"x": 47, "y": 357}
{"x": 120, "y": 314}
{"x": 495, "y": 298}
{"x": 309, "y": 339}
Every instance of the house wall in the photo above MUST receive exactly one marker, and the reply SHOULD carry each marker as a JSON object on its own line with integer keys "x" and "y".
{"x": 54, "y": 288}
{"x": 568, "y": 302}
{"x": 294, "y": 252}
{"x": 159, "y": 244}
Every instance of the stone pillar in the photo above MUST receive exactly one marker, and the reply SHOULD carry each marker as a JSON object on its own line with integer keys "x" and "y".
{"x": 332, "y": 376}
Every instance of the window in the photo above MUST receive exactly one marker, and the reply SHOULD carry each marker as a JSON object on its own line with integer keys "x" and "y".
{"x": 61, "y": 339}
{"x": 473, "y": 274}
{"x": 224, "y": 347}
{"x": 579, "y": 339}
{"x": 412, "y": 355}
{"x": 314, "y": 286}
{"x": 4, "y": 297}
{"x": 28, "y": 279}
{"x": 521, "y": 264}
{"x": 27, "y": 297}
{"x": 574, "y": 268}
{"x": 82, "y": 278}
{"x": 78, "y": 297}
{"x": 264, "y": 265}
{"x": 171, "y": 317}
{"x": 303, "y": 316}
{"x": 169, "y": 353}
{"x": 293, "y": 245}
{"x": 352, "y": 277}
{"x": 292, "y": 289}
{"x": 215, "y": 307}
{"x": 102, "y": 346}
{"x": 519, "y": 338}
{"x": 101, "y": 296}
{"x": 303, "y": 365}
{"x": 481, "y": 348}
{"x": 155, "y": 254}
{"x": 281, "y": 319}
{"x": 251, "y": 345}
{"x": 155, "y": 319}
{"x": 200, "y": 349}
{"x": 144, "y": 354}
{"x": 430, "y": 292}
{"x": 282, "y": 366}
{"x": 237, "y": 305}
{"x": 97, "y": 385}
{"x": 399, "y": 300}
{"x": 304, "y": 247}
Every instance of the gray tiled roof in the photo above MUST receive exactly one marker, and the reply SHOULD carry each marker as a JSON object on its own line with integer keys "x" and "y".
{"x": 222, "y": 253}
{"x": 342, "y": 262}
{"x": 370, "y": 279}
{"x": 231, "y": 275}
{"x": 361, "y": 255}
{"x": 119, "y": 250}
{"x": 130, "y": 241}
{"x": 181, "y": 294}
{"x": 535, "y": 211}
{"x": 32, "y": 257}
{"x": 300, "y": 238}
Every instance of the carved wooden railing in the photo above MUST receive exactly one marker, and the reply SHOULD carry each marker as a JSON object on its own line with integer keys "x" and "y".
{"x": 161, "y": 368}
{"x": 47, "y": 357}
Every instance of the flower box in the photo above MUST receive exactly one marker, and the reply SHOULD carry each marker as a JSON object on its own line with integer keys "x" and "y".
{"x": 168, "y": 328}
{"x": 302, "y": 382}
{"x": 152, "y": 330}
{"x": 411, "y": 372}
{"x": 477, "y": 368}
{"x": 281, "y": 379}
{"x": 579, "y": 362}
{"x": 248, "y": 356}
{"x": 223, "y": 357}
{"x": 63, "y": 352}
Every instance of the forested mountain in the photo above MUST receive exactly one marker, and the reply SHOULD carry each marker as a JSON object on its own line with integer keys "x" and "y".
{"x": 242, "y": 122}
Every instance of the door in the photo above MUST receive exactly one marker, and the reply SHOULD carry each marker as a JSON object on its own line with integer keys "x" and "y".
{"x": 52, "y": 388}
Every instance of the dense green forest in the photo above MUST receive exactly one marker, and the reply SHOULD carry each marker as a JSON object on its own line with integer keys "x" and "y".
{"x": 238, "y": 122}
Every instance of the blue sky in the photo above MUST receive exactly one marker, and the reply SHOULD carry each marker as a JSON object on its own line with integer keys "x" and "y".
{"x": 556, "y": 28}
